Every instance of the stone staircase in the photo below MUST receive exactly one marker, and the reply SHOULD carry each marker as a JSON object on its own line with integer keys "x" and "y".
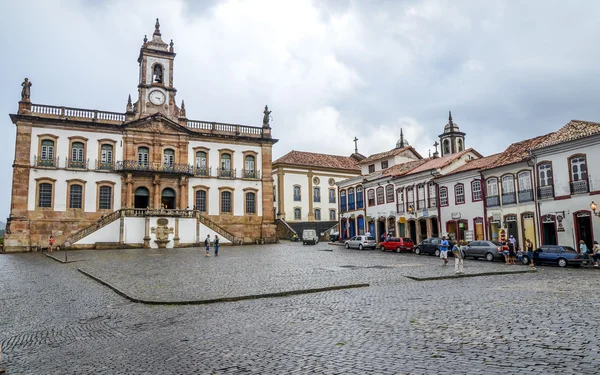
{"x": 212, "y": 225}
{"x": 101, "y": 223}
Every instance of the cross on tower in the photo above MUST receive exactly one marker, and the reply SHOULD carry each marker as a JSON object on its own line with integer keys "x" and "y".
{"x": 355, "y": 145}
{"x": 435, "y": 145}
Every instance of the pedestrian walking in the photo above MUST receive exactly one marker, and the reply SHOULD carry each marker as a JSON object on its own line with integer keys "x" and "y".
{"x": 216, "y": 245}
{"x": 207, "y": 245}
{"x": 512, "y": 248}
{"x": 444, "y": 250}
{"x": 51, "y": 241}
{"x": 529, "y": 245}
{"x": 583, "y": 249}
{"x": 459, "y": 256}
{"x": 596, "y": 253}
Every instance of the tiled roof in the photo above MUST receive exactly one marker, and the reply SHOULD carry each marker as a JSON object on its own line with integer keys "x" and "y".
{"x": 481, "y": 163}
{"x": 311, "y": 159}
{"x": 575, "y": 129}
{"x": 435, "y": 163}
{"x": 387, "y": 154}
{"x": 518, "y": 151}
{"x": 404, "y": 168}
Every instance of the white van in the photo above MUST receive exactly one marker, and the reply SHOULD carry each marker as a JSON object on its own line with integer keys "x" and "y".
{"x": 310, "y": 236}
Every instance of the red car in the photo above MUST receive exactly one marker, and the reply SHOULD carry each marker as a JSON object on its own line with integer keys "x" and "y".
{"x": 397, "y": 244}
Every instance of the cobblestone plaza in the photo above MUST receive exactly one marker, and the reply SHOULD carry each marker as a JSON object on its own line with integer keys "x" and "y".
{"x": 414, "y": 317}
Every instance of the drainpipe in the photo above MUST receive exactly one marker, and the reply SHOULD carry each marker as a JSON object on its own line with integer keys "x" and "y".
{"x": 536, "y": 202}
{"x": 484, "y": 202}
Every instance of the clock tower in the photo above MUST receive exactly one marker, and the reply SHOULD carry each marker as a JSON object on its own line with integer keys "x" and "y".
{"x": 156, "y": 93}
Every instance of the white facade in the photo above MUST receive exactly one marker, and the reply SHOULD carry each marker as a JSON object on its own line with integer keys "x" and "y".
{"x": 565, "y": 214}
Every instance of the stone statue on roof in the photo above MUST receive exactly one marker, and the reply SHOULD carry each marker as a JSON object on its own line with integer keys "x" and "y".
{"x": 25, "y": 92}
{"x": 267, "y": 117}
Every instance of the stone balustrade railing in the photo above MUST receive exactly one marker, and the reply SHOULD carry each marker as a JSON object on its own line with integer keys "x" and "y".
{"x": 76, "y": 113}
{"x": 218, "y": 127}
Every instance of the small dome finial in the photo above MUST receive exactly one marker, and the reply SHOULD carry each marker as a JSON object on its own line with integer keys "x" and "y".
{"x": 129, "y": 107}
{"x": 171, "y": 46}
{"x": 157, "y": 27}
{"x": 145, "y": 39}
{"x": 450, "y": 116}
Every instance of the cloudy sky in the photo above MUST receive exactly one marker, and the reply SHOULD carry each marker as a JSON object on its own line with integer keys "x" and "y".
{"x": 329, "y": 70}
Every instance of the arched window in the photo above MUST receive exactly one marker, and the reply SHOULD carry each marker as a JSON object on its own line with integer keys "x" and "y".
{"x": 460, "y": 145}
{"x": 508, "y": 189}
{"x": 399, "y": 201}
{"x": 106, "y": 156}
{"x": 371, "y": 197}
{"x": 420, "y": 196}
{"x": 225, "y": 165}
{"x": 432, "y": 194}
{"x": 331, "y": 195}
{"x": 297, "y": 196}
{"x": 579, "y": 178}
{"x": 389, "y": 194}
{"x": 75, "y": 196}
{"x": 332, "y": 215}
{"x": 76, "y": 154}
{"x": 476, "y": 190}
{"x": 459, "y": 193}
{"x": 297, "y": 214}
{"x": 380, "y": 195}
{"x": 201, "y": 200}
{"x": 446, "y": 147}
{"x": 360, "y": 203}
{"x": 443, "y": 196}
{"x": 157, "y": 74}
{"x": 343, "y": 201}
{"x": 105, "y": 198}
{"x": 169, "y": 158}
{"x": 143, "y": 156}
{"x": 316, "y": 194}
{"x": 525, "y": 191}
{"x": 492, "y": 187}
{"x": 201, "y": 167}
{"x": 45, "y": 195}
{"x": 351, "y": 199}
{"x": 317, "y": 214}
{"x": 226, "y": 202}
{"x": 47, "y": 154}
{"x": 250, "y": 203}
{"x": 249, "y": 171}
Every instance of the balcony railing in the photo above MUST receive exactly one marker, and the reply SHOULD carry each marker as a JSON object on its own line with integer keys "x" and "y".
{"x": 77, "y": 164}
{"x": 104, "y": 166}
{"x": 46, "y": 162}
{"x": 76, "y": 113}
{"x": 432, "y": 202}
{"x": 226, "y": 172}
{"x": 580, "y": 187}
{"x": 400, "y": 207}
{"x": 251, "y": 174}
{"x": 492, "y": 201}
{"x": 525, "y": 195}
{"x": 316, "y": 198}
{"x": 297, "y": 198}
{"x": 202, "y": 171}
{"x": 344, "y": 208}
{"x": 135, "y": 166}
{"x": 545, "y": 192}
{"x": 509, "y": 198}
{"x": 331, "y": 199}
{"x": 420, "y": 204}
{"x": 351, "y": 206}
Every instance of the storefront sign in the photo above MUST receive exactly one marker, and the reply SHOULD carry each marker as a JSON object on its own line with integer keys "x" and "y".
{"x": 560, "y": 227}
{"x": 456, "y": 215}
{"x": 496, "y": 217}
{"x": 425, "y": 213}
{"x": 402, "y": 220}
{"x": 468, "y": 236}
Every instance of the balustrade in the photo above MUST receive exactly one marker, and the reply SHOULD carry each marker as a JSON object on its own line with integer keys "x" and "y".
{"x": 250, "y": 173}
{"x": 77, "y": 113}
{"x": 525, "y": 195}
{"x": 45, "y": 162}
{"x": 226, "y": 173}
{"x": 77, "y": 164}
{"x": 203, "y": 171}
{"x": 509, "y": 198}
{"x": 135, "y": 166}
{"x": 492, "y": 201}
{"x": 243, "y": 130}
{"x": 580, "y": 187}
{"x": 545, "y": 192}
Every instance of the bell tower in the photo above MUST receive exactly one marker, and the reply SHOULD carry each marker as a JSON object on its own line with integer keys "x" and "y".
{"x": 156, "y": 93}
{"x": 452, "y": 139}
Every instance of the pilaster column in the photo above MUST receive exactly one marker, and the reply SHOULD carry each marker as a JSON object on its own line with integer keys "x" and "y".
{"x": 280, "y": 194}
{"x": 311, "y": 215}
{"x": 197, "y": 229}
{"x": 129, "y": 199}
{"x": 147, "y": 233}
{"x": 176, "y": 238}
{"x": 428, "y": 221}
{"x": 156, "y": 192}
{"x": 122, "y": 228}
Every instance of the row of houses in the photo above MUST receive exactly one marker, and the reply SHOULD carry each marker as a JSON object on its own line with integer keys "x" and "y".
{"x": 540, "y": 189}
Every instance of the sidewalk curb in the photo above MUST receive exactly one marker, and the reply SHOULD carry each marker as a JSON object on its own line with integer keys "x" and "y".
{"x": 224, "y": 299}
{"x": 62, "y": 261}
{"x": 469, "y": 275}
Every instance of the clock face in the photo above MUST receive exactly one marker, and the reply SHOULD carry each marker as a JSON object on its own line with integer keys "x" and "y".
{"x": 157, "y": 97}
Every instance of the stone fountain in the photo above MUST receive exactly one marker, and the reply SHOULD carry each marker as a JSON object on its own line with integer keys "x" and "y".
{"x": 162, "y": 232}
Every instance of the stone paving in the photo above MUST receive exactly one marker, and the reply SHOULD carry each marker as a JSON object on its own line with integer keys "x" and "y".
{"x": 55, "y": 320}
{"x": 177, "y": 275}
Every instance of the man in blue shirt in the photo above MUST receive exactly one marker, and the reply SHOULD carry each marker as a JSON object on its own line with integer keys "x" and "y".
{"x": 444, "y": 250}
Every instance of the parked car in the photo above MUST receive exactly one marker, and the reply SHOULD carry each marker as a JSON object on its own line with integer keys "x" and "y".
{"x": 397, "y": 244}
{"x": 429, "y": 246}
{"x": 310, "y": 236}
{"x": 334, "y": 237}
{"x": 361, "y": 242}
{"x": 489, "y": 250}
{"x": 555, "y": 254}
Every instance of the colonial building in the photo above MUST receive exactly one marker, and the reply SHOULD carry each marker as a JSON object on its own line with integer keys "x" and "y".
{"x": 306, "y": 194}
{"x": 148, "y": 176}
{"x": 567, "y": 165}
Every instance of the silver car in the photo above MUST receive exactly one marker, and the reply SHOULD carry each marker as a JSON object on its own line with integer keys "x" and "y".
{"x": 489, "y": 250}
{"x": 361, "y": 242}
